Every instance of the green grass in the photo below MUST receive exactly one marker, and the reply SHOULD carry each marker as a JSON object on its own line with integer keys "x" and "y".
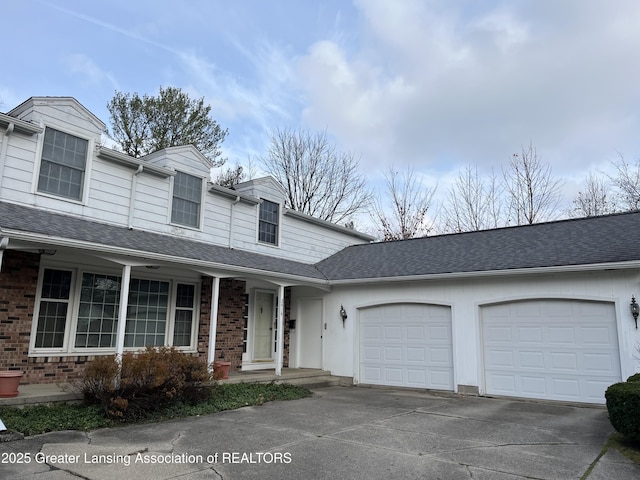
{"x": 33, "y": 420}
{"x": 628, "y": 448}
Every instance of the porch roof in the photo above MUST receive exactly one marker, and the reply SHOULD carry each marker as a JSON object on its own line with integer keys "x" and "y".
{"x": 45, "y": 227}
{"x": 609, "y": 241}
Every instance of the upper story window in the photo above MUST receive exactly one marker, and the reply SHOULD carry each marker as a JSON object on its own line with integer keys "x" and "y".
{"x": 64, "y": 160}
{"x": 187, "y": 195}
{"x": 268, "y": 224}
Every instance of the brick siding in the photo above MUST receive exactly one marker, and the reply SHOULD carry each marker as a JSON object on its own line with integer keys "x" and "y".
{"x": 18, "y": 284}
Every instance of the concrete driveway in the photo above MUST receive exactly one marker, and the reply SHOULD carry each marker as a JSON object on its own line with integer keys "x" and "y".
{"x": 339, "y": 433}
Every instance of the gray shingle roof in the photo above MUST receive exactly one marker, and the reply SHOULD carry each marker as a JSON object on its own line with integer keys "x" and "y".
{"x": 596, "y": 240}
{"x": 37, "y": 221}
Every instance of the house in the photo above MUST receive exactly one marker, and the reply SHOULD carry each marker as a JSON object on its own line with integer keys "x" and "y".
{"x": 101, "y": 253}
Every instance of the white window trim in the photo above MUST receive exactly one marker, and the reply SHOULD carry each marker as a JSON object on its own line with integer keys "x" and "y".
{"x": 279, "y": 229}
{"x": 203, "y": 197}
{"x": 68, "y": 348}
{"x": 84, "y": 197}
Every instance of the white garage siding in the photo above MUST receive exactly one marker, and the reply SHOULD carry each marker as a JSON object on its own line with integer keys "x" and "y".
{"x": 406, "y": 345}
{"x": 551, "y": 349}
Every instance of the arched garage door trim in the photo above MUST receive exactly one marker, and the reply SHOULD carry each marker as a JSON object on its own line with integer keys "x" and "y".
{"x": 405, "y": 344}
{"x": 563, "y": 349}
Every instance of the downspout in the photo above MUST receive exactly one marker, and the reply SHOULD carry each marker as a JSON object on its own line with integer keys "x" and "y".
{"x": 4, "y": 242}
{"x": 134, "y": 184}
{"x": 3, "y": 150}
{"x": 231, "y": 220}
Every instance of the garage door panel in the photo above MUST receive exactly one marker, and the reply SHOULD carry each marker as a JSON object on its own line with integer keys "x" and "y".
{"x": 415, "y": 344}
{"x": 571, "y": 353}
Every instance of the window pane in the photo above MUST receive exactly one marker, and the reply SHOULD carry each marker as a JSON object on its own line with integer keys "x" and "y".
{"x": 185, "y": 305}
{"x": 268, "y": 224}
{"x": 147, "y": 313}
{"x": 187, "y": 193}
{"x": 54, "y": 304}
{"x": 52, "y": 320}
{"x": 98, "y": 311}
{"x": 63, "y": 164}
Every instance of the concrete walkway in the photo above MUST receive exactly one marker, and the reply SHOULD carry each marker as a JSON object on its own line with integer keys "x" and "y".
{"x": 339, "y": 433}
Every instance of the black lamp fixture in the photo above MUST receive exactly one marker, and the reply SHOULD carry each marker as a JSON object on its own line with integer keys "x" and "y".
{"x": 635, "y": 309}
{"x": 343, "y": 314}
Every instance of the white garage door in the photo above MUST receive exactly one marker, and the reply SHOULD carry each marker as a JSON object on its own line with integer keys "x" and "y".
{"x": 407, "y": 345}
{"x": 551, "y": 349}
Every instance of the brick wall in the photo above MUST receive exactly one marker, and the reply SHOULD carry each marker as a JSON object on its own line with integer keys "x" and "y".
{"x": 18, "y": 284}
{"x": 231, "y": 313}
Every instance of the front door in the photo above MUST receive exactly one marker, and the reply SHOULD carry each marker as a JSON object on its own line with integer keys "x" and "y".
{"x": 310, "y": 327}
{"x": 263, "y": 332}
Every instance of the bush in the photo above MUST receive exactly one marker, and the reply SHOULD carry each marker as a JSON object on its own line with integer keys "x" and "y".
{"x": 148, "y": 382}
{"x": 634, "y": 378}
{"x": 623, "y": 404}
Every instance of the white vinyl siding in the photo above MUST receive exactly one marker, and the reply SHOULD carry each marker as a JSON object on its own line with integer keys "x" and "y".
{"x": 551, "y": 349}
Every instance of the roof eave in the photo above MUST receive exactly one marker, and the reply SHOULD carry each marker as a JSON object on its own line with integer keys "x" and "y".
{"x": 492, "y": 273}
{"x": 228, "y": 192}
{"x": 124, "y": 159}
{"x": 21, "y": 126}
{"x": 235, "y": 270}
{"x": 324, "y": 223}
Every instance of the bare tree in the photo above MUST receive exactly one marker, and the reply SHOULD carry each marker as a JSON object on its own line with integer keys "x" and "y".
{"x": 627, "y": 182}
{"x": 533, "y": 194}
{"x": 594, "y": 199}
{"x": 473, "y": 203}
{"x": 319, "y": 180}
{"x": 403, "y": 214}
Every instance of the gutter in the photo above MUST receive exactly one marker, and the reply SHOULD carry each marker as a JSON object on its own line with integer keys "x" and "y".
{"x": 231, "y": 220}
{"x": 323, "y": 223}
{"x": 20, "y": 126}
{"x": 629, "y": 265}
{"x": 126, "y": 160}
{"x": 235, "y": 270}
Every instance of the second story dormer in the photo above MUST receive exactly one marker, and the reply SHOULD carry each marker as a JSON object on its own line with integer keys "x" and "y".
{"x": 52, "y": 157}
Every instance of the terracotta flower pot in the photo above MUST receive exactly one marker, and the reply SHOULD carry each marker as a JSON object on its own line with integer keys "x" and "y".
{"x": 9, "y": 381}
{"x": 221, "y": 370}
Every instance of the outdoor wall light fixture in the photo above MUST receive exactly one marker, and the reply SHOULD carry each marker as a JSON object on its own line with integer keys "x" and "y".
{"x": 635, "y": 309}
{"x": 343, "y": 314}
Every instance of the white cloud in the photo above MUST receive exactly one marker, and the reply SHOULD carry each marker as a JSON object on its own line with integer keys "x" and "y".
{"x": 434, "y": 85}
{"x": 83, "y": 66}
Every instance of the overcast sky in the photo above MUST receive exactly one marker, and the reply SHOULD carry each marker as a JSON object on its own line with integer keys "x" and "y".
{"x": 435, "y": 84}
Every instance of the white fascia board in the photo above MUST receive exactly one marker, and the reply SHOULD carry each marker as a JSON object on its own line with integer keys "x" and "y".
{"x": 634, "y": 264}
{"x": 124, "y": 159}
{"x": 19, "y": 125}
{"x": 324, "y": 223}
{"x": 169, "y": 259}
{"x": 228, "y": 192}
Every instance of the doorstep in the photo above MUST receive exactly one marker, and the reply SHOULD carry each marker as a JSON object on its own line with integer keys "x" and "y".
{"x": 39, "y": 394}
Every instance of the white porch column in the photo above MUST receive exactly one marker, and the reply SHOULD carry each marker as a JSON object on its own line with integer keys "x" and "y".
{"x": 280, "y": 332}
{"x": 213, "y": 321}
{"x": 122, "y": 312}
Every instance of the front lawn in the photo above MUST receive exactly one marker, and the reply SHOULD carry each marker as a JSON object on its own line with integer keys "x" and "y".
{"x": 33, "y": 420}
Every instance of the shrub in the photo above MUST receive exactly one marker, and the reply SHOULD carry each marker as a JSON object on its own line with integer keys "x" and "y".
{"x": 634, "y": 378}
{"x": 623, "y": 404}
{"x": 148, "y": 381}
